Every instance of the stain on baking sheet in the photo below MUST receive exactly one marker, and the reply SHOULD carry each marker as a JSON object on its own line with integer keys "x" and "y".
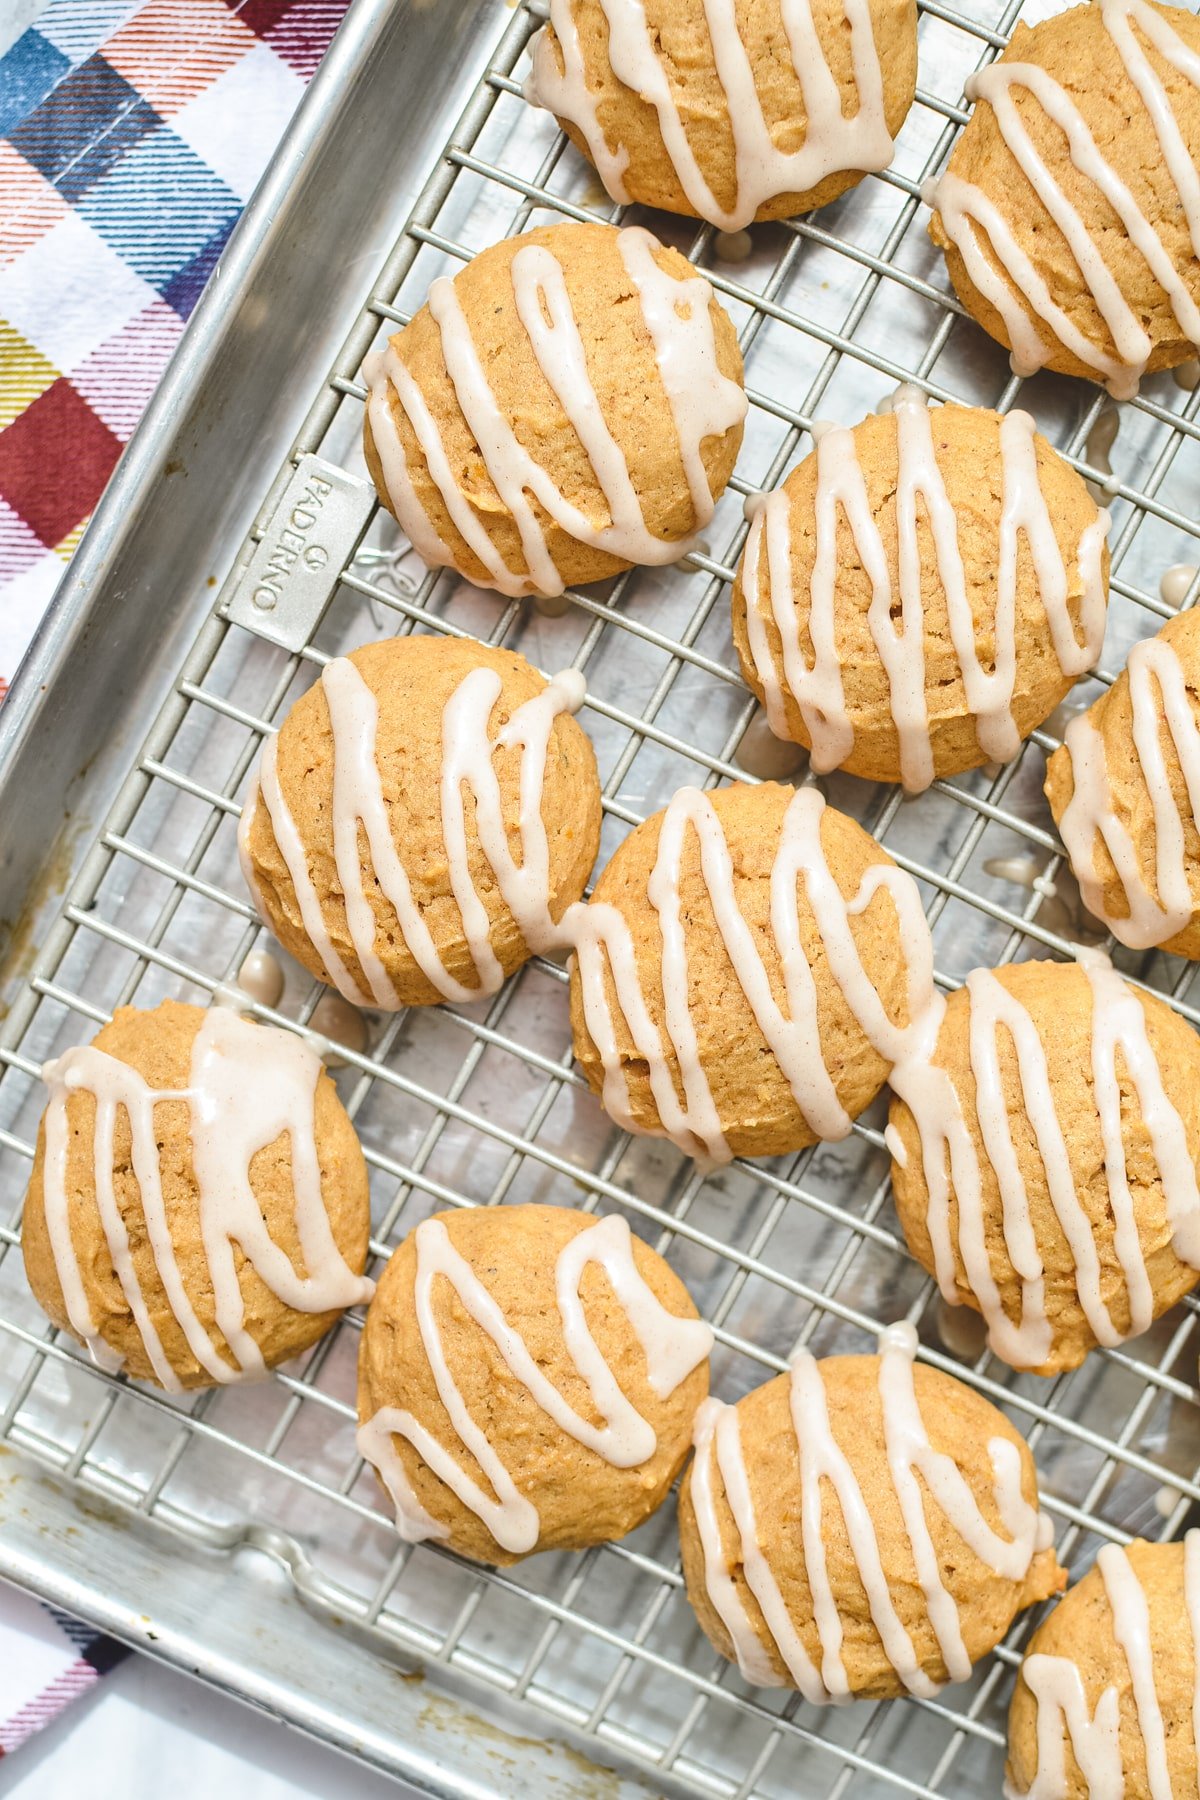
{"x": 513, "y": 1752}
{"x": 20, "y": 938}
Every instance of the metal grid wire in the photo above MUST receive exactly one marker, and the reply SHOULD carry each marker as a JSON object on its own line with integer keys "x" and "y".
{"x": 482, "y": 1104}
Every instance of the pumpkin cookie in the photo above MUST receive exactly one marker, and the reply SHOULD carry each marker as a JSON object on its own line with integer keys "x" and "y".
{"x": 527, "y": 1380}
{"x": 570, "y": 404}
{"x": 725, "y": 115}
{"x": 1125, "y": 793}
{"x": 748, "y": 968}
{"x": 423, "y": 820}
{"x": 198, "y": 1210}
{"x": 921, "y": 592}
{"x": 1045, "y": 1155}
{"x": 1070, "y": 208}
{"x": 1105, "y": 1700}
{"x": 861, "y": 1527}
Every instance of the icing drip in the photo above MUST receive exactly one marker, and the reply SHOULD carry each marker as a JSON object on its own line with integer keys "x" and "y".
{"x": 1159, "y": 900}
{"x": 333, "y": 1022}
{"x": 967, "y": 212}
{"x": 1098, "y": 452}
{"x": 1176, "y": 584}
{"x": 248, "y": 1085}
{"x": 841, "y": 490}
{"x": 603, "y": 942}
{"x": 763, "y": 754}
{"x": 359, "y": 807}
{"x": 1062, "y": 1707}
{"x": 262, "y": 978}
{"x": 834, "y": 142}
{"x": 733, "y": 246}
{"x": 673, "y": 1348}
{"x": 952, "y": 1164}
{"x": 917, "y": 1472}
{"x": 703, "y": 403}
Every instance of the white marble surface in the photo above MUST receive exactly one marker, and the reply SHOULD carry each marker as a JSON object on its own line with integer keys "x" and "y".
{"x": 145, "y": 1732}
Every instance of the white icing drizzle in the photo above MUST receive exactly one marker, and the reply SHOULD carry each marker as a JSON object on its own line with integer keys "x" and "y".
{"x": 716, "y": 1418}
{"x": 952, "y": 1164}
{"x": 1061, "y": 1701}
{"x": 603, "y": 941}
{"x": 703, "y": 402}
{"x": 967, "y": 211}
{"x": 359, "y": 806}
{"x": 566, "y": 93}
{"x": 916, "y": 1470}
{"x": 248, "y": 1085}
{"x": 834, "y": 141}
{"x": 841, "y": 489}
{"x": 384, "y": 373}
{"x": 1159, "y": 899}
{"x": 1062, "y": 1708}
{"x": 266, "y": 791}
{"x": 1131, "y": 1628}
{"x": 673, "y": 1348}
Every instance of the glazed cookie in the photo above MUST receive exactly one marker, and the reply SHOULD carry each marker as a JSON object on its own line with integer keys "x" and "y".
{"x": 527, "y": 1380}
{"x": 198, "y": 1209}
{"x": 1105, "y": 1700}
{"x": 423, "y": 819}
{"x": 749, "y": 966}
{"x": 921, "y": 592}
{"x": 729, "y": 116}
{"x": 861, "y": 1527}
{"x": 569, "y": 404}
{"x": 1070, "y": 208}
{"x": 1045, "y": 1158}
{"x": 1125, "y": 794}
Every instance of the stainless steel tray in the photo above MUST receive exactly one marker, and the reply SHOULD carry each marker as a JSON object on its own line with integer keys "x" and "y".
{"x": 236, "y": 1534}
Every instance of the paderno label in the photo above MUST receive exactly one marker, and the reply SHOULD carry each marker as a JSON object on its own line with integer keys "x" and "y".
{"x": 313, "y": 533}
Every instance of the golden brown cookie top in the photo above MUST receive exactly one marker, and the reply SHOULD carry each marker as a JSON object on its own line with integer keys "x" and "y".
{"x": 861, "y": 1526}
{"x": 198, "y": 1208}
{"x": 527, "y": 1380}
{"x": 423, "y": 819}
{"x": 570, "y": 403}
{"x": 729, "y": 114}
{"x": 1124, "y": 788}
{"x": 748, "y": 967}
{"x": 921, "y": 591}
{"x": 1105, "y": 1698}
{"x": 1083, "y": 259}
{"x": 1045, "y": 1158}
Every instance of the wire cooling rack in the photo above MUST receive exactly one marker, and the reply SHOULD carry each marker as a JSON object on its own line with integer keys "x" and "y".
{"x": 482, "y": 1104}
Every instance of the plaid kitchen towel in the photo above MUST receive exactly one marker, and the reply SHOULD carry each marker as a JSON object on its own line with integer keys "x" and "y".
{"x": 46, "y": 1661}
{"x": 131, "y": 136}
